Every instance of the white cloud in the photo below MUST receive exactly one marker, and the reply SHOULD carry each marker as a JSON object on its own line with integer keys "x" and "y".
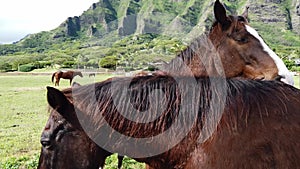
{"x": 19, "y": 18}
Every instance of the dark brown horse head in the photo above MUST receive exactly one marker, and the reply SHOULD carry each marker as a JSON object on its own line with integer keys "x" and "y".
{"x": 63, "y": 141}
{"x": 242, "y": 51}
{"x": 78, "y": 73}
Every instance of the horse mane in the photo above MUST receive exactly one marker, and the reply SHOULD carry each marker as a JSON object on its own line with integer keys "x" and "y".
{"x": 199, "y": 59}
{"x": 247, "y": 98}
{"x": 97, "y": 100}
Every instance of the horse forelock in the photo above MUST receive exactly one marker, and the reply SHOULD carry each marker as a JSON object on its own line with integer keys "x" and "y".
{"x": 217, "y": 34}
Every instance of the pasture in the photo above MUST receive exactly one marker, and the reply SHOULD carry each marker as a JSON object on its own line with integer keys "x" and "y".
{"x": 297, "y": 81}
{"x": 23, "y": 115}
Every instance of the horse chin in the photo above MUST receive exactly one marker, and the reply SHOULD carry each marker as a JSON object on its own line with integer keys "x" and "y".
{"x": 260, "y": 78}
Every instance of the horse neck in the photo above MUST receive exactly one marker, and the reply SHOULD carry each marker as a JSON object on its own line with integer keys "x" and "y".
{"x": 76, "y": 73}
{"x": 200, "y": 59}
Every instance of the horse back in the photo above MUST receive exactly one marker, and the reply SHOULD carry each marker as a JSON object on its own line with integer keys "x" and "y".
{"x": 67, "y": 75}
{"x": 255, "y": 132}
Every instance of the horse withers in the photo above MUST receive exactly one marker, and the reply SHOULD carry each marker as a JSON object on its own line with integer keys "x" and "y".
{"x": 259, "y": 125}
{"x": 65, "y": 75}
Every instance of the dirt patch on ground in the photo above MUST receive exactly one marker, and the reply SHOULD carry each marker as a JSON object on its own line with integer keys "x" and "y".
{"x": 20, "y": 89}
{"x": 24, "y": 73}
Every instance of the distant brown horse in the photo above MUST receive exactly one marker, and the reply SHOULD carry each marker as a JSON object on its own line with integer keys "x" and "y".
{"x": 65, "y": 75}
{"x": 259, "y": 125}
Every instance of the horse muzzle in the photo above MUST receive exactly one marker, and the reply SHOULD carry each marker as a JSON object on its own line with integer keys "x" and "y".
{"x": 287, "y": 78}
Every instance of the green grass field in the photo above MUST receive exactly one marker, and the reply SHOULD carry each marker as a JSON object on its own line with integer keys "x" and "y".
{"x": 23, "y": 115}
{"x": 297, "y": 81}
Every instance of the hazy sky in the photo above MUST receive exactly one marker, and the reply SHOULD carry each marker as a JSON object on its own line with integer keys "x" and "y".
{"x": 21, "y": 17}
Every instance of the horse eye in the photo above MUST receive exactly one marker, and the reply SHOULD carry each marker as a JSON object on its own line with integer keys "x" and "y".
{"x": 242, "y": 40}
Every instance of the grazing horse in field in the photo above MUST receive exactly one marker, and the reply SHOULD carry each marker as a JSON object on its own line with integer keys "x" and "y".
{"x": 65, "y": 75}
{"x": 231, "y": 49}
{"x": 258, "y": 127}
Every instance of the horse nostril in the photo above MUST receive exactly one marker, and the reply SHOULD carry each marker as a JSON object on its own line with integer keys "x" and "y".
{"x": 278, "y": 77}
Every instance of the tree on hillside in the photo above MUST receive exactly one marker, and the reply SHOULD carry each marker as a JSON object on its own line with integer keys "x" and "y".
{"x": 109, "y": 62}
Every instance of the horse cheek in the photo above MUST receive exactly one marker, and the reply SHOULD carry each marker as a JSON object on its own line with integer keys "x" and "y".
{"x": 268, "y": 67}
{"x": 251, "y": 73}
{"x": 232, "y": 64}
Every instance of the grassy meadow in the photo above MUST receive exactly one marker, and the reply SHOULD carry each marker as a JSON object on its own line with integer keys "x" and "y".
{"x": 23, "y": 114}
{"x": 297, "y": 81}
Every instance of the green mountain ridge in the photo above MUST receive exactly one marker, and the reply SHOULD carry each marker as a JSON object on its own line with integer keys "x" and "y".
{"x": 144, "y": 31}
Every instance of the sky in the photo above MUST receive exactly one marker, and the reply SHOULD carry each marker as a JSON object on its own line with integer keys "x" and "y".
{"x": 19, "y": 18}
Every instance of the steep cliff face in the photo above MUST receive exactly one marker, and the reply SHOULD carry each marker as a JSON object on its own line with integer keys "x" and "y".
{"x": 72, "y": 26}
{"x": 94, "y": 21}
{"x": 276, "y": 12}
{"x": 137, "y": 16}
{"x": 295, "y": 16}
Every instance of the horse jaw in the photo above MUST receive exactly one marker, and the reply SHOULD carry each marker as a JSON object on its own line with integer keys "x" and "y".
{"x": 282, "y": 69}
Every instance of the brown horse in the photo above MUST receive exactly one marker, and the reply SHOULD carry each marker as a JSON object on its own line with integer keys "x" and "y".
{"x": 258, "y": 127}
{"x": 231, "y": 49}
{"x": 65, "y": 75}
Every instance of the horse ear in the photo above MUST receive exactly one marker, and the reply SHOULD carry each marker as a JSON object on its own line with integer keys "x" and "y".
{"x": 220, "y": 15}
{"x": 56, "y": 99}
{"x": 245, "y": 13}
